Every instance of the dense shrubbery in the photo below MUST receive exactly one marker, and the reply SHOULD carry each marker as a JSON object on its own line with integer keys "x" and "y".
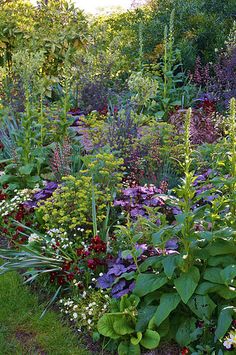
{"x": 115, "y": 195}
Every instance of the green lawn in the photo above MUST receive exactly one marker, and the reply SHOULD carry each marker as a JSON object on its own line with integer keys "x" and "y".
{"x": 21, "y": 330}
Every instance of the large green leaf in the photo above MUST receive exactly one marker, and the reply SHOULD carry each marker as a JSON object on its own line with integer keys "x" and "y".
{"x": 207, "y": 287}
{"x": 147, "y": 283}
{"x": 26, "y": 169}
{"x": 221, "y": 247}
{"x": 222, "y": 260}
{"x": 224, "y": 291}
{"x": 150, "y": 339}
{"x": 126, "y": 348}
{"x": 227, "y": 292}
{"x": 168, "y": 302}
{"x": 224, "y": 321}
{"x": 105, "y": 326}
{"x": 202, "y": 306}
{"x": 144, "y": 316}
{"x": 213, "y": 274}
{"x": 228, "y": 274}
{"x": 187, "y": 283}
{"x": 169, "y": 263}
{"x": 153, "y": 262}
{"x": 185, "y": 333}
{"x": 123, "y": 326}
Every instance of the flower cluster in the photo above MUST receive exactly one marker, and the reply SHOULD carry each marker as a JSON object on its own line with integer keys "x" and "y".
{"x": 13, "y": 209}
{"x": 34, "y": 238}
{"x": 41, "y": 194}
{"x": 7, "y": 206}
{"x": 87, "y": 310}
{"x": 79, "y": 262}
{"x": 91, "y": 252}
{"x": 135, "y": 199}
{"x": 230, "y": 340}
{"x": 116, "y": 268}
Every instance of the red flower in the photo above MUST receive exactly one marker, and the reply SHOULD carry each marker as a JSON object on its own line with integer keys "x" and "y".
{"x": 2, "y": 196}
{"x": 66, "y": 266}
{"x": 80, "y": 285}
{"x": 71, "y": 276}
{"x": 92, "y": 264}
{"x": 96, "y": 239}
{"x": 19, "y": 216}
{"x": 184, "y": 351}
{"x": 61, "y": 280}
{"x": 81, "y": 252}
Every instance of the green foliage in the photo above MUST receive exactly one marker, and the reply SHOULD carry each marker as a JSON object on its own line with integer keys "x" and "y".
{"x": 197, "y": 283}
{"x": 70, "y": 206}
{"x": 121, "y": 325}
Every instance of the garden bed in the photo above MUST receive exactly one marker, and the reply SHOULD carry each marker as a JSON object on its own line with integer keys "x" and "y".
{"x": 118, "y": 179}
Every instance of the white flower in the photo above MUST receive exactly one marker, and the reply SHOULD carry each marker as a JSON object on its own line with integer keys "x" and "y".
{"x": 34, "y": 238}
{"x": 228, "y": 343}
{"x": 75, "y": 315}
{"x": 89, "y": 321}
{"x": 232, "y": 337}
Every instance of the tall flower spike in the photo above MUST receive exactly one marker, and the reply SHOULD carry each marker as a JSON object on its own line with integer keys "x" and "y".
{"x": 232, "y": 133}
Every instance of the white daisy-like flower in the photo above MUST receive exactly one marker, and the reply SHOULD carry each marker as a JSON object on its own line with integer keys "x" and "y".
{"x": 75, "y": 315}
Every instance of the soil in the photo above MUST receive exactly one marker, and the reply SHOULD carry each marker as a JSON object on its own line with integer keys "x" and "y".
{"x": 27, "y": 340}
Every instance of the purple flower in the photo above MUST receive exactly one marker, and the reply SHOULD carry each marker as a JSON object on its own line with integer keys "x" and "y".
{"x": 118, "y": 286}
{"x": 131, "y": 192}
{"x": 125, "y": 291}
{"x": 172, "y": 244}
{"x": 117, "y": 270}
{"x": 135, "y": 199}
{"x": 176, "y": 210}
{"x": 105, "y": 281}
{"x": 137, "y": 212}
{"x": 43, "y": 194}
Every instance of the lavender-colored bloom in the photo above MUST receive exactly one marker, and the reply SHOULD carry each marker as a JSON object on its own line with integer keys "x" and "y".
{"x": 135, "y": 199}
{"x": 172, "y": 244}
{"x": 105, "y": 281}
{"x": 117, "y": 270}
{"x": 211, "y": 197}
{"x": 125, "y": 291}
{"x": 43, "y": 194}
{"x": 137, "y": 212}
{"x": 118, "y": 286}
{"x": 131, "y": 192}
{"x": 120, "y": 203}
{"x": 176, "y": 210}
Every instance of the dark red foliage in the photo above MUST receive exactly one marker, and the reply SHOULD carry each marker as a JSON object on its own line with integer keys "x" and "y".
{"x": 203, "y": 128}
